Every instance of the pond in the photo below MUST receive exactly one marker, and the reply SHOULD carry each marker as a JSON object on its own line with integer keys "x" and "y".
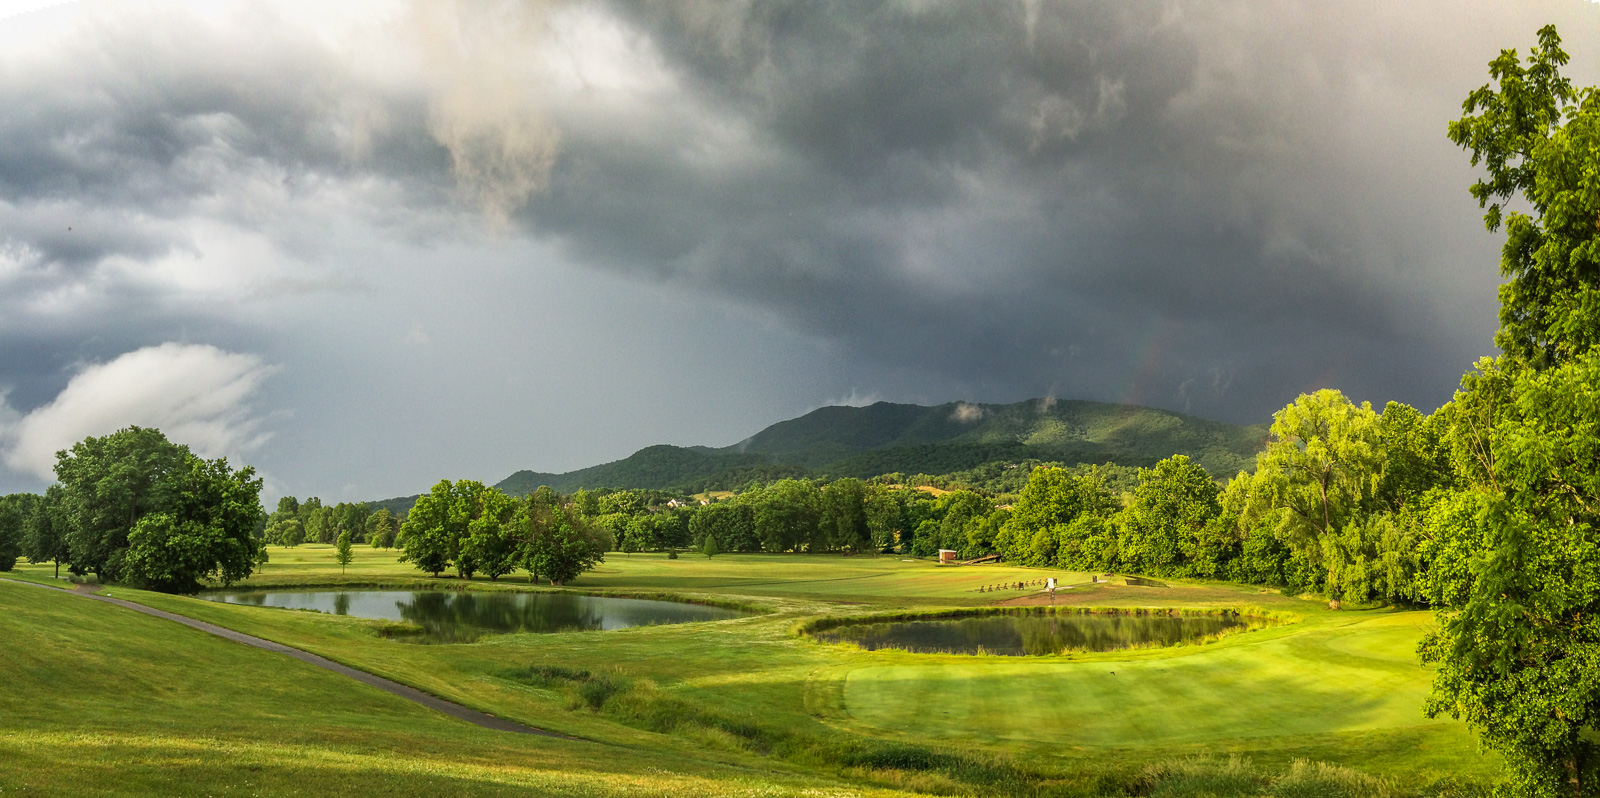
{"x": 1037, "y": 634}
{"x": 460, "y": 617}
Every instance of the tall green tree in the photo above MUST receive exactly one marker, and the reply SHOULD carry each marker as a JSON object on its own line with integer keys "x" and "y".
{"x": 558, "y": 542}
{"x": 14, "y": 512}
{"x": 290, "y": 532}
{"x": 1045, "y": 510}
{"x": 981, "y": 536}
{"x": 843, "y": 517}
{"x": 1169, "y": 528}
{"x": 960, "y": 511}
{"x": 431, "y": 535}
{"x": 1321, "y": 463}
{"x": 352, "y": 518}
{"x": 885, "y": 514}
{"x": 382, "y": 528}
{"x": 319, "y": 524}
{"x": 45, "y": 532}
{"x": 1515, "y": 571}
{"x": 491, "y": 540}
{"x": 342, "y": 551}
{"x": 1537, "y": 137}
{"x": 786, "y": 515}
{"x": 205, "y": 532}
{"x": 731, "y": 523}
{"x": 109, "y": 483}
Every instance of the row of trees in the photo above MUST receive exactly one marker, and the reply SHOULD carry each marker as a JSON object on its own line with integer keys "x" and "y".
{"x": 295, "y": 522}
{"x": 795, "y": 515}
{"x": 136, "y": 508}
{"x": 473, "y": 528}
{"x": 1336, "y": 506}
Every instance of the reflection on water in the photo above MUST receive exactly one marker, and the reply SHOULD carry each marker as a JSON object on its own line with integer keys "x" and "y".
{"x": 1036, "y": 634}
{"x": 465, "y": 616}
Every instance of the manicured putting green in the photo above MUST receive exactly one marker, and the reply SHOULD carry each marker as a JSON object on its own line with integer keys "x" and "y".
{"x": 1320, "y": 680}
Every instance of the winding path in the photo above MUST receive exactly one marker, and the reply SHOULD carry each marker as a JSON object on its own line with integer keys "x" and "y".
{"x": 411, "y": 694}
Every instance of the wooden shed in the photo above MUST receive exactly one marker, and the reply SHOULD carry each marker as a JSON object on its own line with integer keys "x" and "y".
{"x": 947, "y": 557}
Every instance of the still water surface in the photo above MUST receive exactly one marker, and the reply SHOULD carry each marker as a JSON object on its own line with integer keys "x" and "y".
{"x": 1035, "y": 634}
{"x": 450, "y": 616}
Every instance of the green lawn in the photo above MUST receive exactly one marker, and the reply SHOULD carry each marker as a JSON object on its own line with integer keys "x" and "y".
{"x": 1242, "y": 691}
{"x": 748, "y": 696}
{"x": 104, "y": 701}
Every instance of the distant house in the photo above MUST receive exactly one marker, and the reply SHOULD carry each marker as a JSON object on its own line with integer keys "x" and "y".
{"x": 947, "y": 556}
{"x": 674, "y": 503}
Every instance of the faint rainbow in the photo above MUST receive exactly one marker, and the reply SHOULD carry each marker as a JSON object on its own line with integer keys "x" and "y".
{"x": 1149, "y": 350}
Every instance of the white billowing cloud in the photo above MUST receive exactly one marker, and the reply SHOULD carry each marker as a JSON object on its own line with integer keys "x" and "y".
{"x": 196, "y": 394}
{"x": 967, "y": 413}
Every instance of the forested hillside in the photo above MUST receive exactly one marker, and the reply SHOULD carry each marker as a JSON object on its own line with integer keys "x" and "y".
{"x": 913, "y": 439}
{"x": 904, "y": 437}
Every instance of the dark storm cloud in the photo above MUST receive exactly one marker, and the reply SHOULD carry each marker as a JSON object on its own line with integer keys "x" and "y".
{"x": 112, "y": 147}
{"x": 1206, "y": 206}
{"x": 1192, "y": 205}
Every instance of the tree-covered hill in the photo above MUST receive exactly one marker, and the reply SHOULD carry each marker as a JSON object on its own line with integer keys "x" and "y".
{"x": 915, "y": 439}
{"x": 885, "y": 437}
{"x": 660, "y": 466}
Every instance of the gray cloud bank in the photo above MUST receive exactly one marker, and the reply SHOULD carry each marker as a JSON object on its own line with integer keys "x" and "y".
{"x": 1208, "y": 206}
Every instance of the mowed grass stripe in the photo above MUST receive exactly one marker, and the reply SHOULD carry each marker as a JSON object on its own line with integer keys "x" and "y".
{"x": 1286, "y": 685}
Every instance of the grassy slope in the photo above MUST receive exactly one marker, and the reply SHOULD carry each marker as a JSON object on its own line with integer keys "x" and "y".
{"x": 100, "y": 700}
{"x": 1340, "y": 687}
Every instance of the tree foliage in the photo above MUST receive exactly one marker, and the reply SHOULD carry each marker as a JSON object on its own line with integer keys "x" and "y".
{"x": 110, "y": 483}
{"x": 1044, "y": 514}
{"x": 490, "y": 543}
{"x": 45, "y": 531}
{"x": 1514, "y": 569}
{"x": 787, "y": 517}
{"x": 558, "y": 542}
{"x": 206, "y": 531}
{"x": 1516, "y": 572}
{"x": 1538, "y": 140}
{"x": 843, "y": 516}
{"x": 14, "y": 512}
{"x": 1170, "y": 527}
{"x": 342, "y": 551}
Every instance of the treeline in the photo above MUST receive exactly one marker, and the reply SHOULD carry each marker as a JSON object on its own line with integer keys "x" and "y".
{"x": 791, "y": 515}
{"x": 1337, "y": 506}
{"x": 1003, "y": 480}
{"x": 135, "y": 508}
{"x": 476, "y": 529}
{"x": 296, "y": 522}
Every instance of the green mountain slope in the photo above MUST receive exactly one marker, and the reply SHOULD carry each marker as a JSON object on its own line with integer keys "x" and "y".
{"x": 863, "y": 441}
{"x": 913, "y": 439}
{"x": 659, "y": 466}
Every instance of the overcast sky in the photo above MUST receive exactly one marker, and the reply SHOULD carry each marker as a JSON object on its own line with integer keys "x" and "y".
{"x": 367, "y": 248}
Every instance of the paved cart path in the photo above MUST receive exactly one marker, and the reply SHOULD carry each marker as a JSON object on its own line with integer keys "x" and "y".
{"x": 389, "y": 686}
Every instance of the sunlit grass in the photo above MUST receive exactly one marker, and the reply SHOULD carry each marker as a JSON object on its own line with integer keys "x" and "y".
{"x": 1338, "y": 687}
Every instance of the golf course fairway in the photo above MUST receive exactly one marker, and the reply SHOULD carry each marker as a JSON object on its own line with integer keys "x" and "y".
{"x": 100, "y": 696}
{"x": 1331, "y": 678}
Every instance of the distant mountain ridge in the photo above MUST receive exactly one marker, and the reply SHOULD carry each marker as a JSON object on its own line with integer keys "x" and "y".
{"x": 843, "y": 441}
